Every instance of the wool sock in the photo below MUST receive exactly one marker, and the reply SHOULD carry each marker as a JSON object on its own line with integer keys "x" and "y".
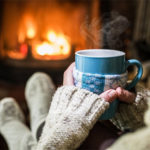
{"x": 12, "y": 127}
{"x": 39, "y": 91}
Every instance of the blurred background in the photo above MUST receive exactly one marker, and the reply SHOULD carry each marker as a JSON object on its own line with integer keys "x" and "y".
{"x": 43, "y": 35}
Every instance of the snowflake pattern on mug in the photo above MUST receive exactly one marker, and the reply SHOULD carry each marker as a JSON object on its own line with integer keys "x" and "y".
{"x": 98, "y": 83}
{"x": 114, "y": 81}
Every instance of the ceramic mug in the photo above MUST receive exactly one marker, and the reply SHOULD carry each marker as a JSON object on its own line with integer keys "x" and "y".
{"x": 98, "y": 70}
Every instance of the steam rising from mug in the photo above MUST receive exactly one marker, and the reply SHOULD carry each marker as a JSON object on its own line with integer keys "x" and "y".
{"x": 109, "y": 34}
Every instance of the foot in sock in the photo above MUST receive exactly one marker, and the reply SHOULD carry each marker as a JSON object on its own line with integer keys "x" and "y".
{"x": 12, "y": 127}
{"x": 38, "y": 92}
{"x": 9, "y": 111}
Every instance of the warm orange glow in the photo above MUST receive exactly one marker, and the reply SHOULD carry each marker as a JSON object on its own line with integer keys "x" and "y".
{"x": 44, "y": 25}
{"x": 16, "y": 55}
{"x": 27, "y": 29}
{"x": 57, "y": 47}
{"x": 63, "y": 44}
{"x": 51, "y": 36}
{"x": 21, "y": 53}
{"x": 30, "y": 26}
{"x": 30, "y": 33}
{"x": 45, "y": 49}
{"x": 21, "y": 37}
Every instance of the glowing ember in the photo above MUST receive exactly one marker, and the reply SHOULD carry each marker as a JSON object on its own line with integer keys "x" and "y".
{"x": 20, "y": 53}
{"x": 24, "y": 49}
{"x": 44, "y": 49}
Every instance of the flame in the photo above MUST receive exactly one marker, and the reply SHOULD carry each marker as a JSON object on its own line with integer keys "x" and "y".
{"x": 51, "y": 36}
{"x": 27, "y": 29}
{"x": 31, "y": 33}
{"x": 56, "y": 45}
{"x": 45, "y": 49}
{"x": 30, "y": 26}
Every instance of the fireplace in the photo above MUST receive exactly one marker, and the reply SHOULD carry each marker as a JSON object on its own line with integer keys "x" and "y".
{"x": 43, "y": 30}
{"x": 44, "y": 34}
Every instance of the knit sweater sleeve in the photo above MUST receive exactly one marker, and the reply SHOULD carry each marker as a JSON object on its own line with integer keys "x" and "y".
{"x": 73, "y": 113}
{"x": 131, "y": 116}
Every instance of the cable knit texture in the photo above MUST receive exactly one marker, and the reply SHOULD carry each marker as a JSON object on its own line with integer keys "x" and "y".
{"x": 131, "y": 116}
{"x": 72, "y": 114}
{"x": 39, "y": 91}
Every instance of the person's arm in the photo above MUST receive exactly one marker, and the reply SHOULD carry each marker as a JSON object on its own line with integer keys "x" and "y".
{"x": 131, "y": 108}
{"x": 138, "y": 139}
{"x": 72, "y": 115}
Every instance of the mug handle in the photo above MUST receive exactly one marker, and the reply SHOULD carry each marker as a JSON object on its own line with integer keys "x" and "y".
{"x": 139, "y": 72}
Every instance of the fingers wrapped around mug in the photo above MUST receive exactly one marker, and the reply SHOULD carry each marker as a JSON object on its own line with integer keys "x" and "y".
{"x": 125, "y": 95}
{"x": 109, "y": 95}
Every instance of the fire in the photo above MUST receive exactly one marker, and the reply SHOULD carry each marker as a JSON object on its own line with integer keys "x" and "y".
{"x": 27, "y": 29}
{"x": 30, "y": 27}
{"x": 30, "y": 33}
{"x": 56, "y": 46}
{"x": 51, "y": 46}
{"x": 51, "y": 36}
{"x": 21, "y": 53}
{"x": 45, "y": 49}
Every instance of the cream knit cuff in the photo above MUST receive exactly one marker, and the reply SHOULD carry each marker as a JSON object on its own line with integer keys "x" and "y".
{"x": 131, "y": 116}
{"x": 139, "y": 139}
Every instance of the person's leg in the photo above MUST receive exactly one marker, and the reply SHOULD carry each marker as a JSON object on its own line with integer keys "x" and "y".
{"x": 12, "y": 127}
{"x": 38, "y": 91}
{"x": 100, "y": 137}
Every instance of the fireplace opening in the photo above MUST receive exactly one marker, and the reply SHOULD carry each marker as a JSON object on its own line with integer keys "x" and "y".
{"x": 42, "y": 29}
{"x": 43, "y": 35}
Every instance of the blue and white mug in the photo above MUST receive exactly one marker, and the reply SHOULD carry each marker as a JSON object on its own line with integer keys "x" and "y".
{"x": 98, "y": 70}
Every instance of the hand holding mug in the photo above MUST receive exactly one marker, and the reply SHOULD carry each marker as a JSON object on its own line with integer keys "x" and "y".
{"x": 98, "y": 70}
{"x": 109, "y": 95}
